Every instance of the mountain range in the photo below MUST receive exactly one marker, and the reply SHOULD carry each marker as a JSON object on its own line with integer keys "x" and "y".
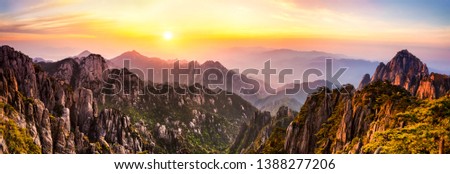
{"x": 88, "y": 104}
{"x": 254, "y": 58}
{"x": 298, "y": 61}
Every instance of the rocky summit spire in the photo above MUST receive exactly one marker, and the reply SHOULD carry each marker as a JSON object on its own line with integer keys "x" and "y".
{"x": 409, "y": 72}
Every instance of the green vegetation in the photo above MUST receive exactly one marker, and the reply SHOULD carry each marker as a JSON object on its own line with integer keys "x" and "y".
{"x": 26, "y": 100}
{"x": 380, "y": 100}
{"x": 329, "y": 128}
{"x": 217, "y": 117}
{"x": 102, "y": 148}
{"x": 319, "y": 96}
{"x": 17, "y": 139}
{"x": 7, "y": 108}
{"x": 425, "y": 128}
{"x": 379, "y": 93}
{"x": 275, "y": 143}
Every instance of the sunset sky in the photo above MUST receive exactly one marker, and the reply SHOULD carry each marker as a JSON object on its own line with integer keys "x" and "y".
{"x": 194, "y": 29}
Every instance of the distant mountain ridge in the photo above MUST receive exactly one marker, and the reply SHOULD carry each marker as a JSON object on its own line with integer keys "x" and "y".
{"x": 141, "y": 62}
{"x": 40, "y": 59}
{"x": 298, "y": 61}
{"x": 281, "y": 58}
{"x": 85, "y": 53}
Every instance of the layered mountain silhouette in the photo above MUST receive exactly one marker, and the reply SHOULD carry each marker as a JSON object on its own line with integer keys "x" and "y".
{"x": 140, "y": 64}
{"x": 138, "y": 61}
{"x": 298, "y": 61}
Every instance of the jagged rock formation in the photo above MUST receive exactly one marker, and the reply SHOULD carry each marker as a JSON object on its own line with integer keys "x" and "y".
{"x": 344, "y": 120}
{"x": 69, "y": 106}
{"x": 263, "y": 133}
{"x": 380, "y": 118}
{"x": 374, "y": 118}
{"x": 408, "y": 71}
{"x": 78, "y": 105}
{"x": 433, "y": 86}
{"x": 86, "y": 72}
{"x": 249, "y": 131}
{"x": 185, "y": 119}
{"x": 58, "y": 115}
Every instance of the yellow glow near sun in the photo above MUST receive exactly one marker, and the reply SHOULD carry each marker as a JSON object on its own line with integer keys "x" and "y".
{"x": 167, "y": 35}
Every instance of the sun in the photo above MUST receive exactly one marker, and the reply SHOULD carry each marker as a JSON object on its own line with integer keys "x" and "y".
{"x": 167, "y": 35}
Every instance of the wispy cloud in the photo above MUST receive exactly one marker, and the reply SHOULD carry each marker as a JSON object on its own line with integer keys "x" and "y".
{"x": 254, "y": 22}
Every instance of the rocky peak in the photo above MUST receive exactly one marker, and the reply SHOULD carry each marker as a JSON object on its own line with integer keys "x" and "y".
{"x": 84, "y": 72}
{"x": 85, "y": 53}
{"x": 364, "y": 82}
{"x": 90, "y": 72}
{"x": 409, "y": 72}
{"x": 404, "y": 61}
{"x": 21, "y": 67}
{"x": 94, "y": 64}
{"x": 403, "y": 69}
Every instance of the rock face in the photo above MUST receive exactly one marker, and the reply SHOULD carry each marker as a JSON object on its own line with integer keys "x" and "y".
{"x": 364, "y": 82}
{"x": 408, "y": 71}
{"x": 263, "y": 133}
{"x": 249, "y": 131}
{"x": 318, "y": 108}
{"x": 86, "y": 72}
{"x": 57, "y": 109}
{"x": 433, "y": 86}
{"x": 3, "y": 147}
{"x": 344, "y": 120}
